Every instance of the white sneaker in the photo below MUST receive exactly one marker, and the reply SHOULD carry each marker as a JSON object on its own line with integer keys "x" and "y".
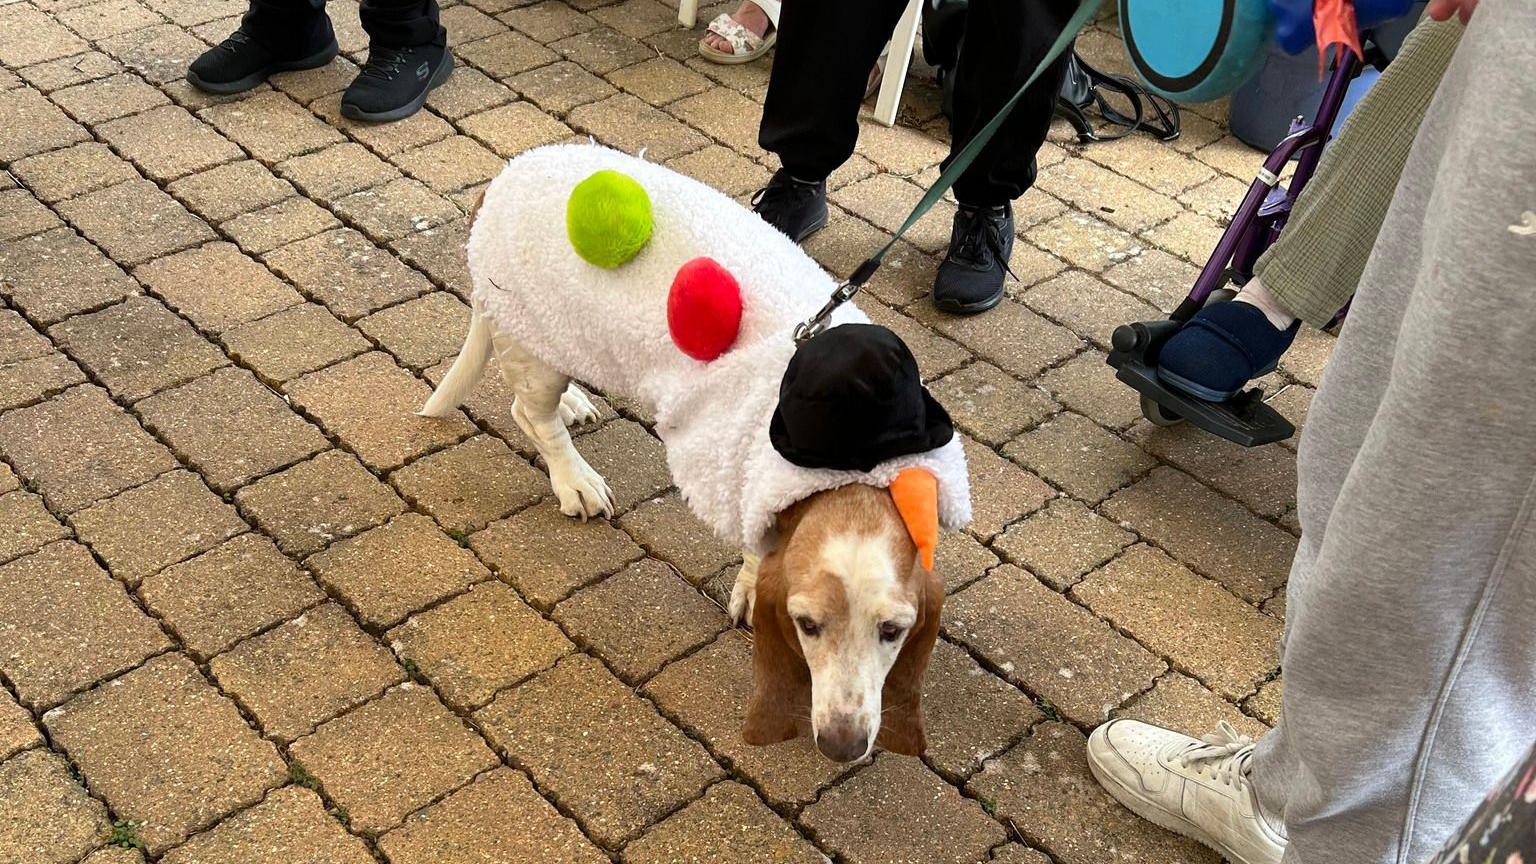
{"x": 1198, "y": 788}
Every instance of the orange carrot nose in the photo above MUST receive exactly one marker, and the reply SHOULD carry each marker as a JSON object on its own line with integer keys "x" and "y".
{"x": 916, "y": 493}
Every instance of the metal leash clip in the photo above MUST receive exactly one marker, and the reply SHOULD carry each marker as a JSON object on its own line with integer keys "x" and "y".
{"x": 817, "y": 324}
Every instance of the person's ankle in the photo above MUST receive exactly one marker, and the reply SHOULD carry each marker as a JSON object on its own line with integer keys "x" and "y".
{"x": 1255, "y": 294}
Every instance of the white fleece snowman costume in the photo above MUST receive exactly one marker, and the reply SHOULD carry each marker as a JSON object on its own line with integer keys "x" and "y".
{"x": 609, "y": 328}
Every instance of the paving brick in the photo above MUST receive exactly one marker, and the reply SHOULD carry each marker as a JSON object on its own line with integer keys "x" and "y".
{"x": 478, "y": 643}
{"x": 637, "y": 18}
{"x": 899, "y": 149}
{"x": 160, "y": 53}
{"x": 1307, "y": 356}
{"x": 547, "y": 22}
{"x": 935, "y": 354}
{"x": 370, "y": 404}
{"x": 137, "y": 347}
{"x": 499, "y": 817}
{"x": 33, "y": 125}
{"x": 505, "y": 54}
{"x": 420, "y": 332}
{"x": 468, "y": 91}
{"x": 1155, "y": 164}
{"x": 626, "y": 123}
{"x": 347, "y": 273}
{"x": 697, "y": 834}
{"x": 53, "y": 275}
{"x": 18, "y": 341}
{"x": 168, "y": 142}
{"x": 546, "y": 555}
{"x": 22, "y": 215}
{"x": 304, "y": 672}
{"x": 45, "y": 817}
{"x": 1086, "y": 242}
{"x": 63, "y": 174}
{"x": 1014, "y": 338}
{"x": 78, "y": 447}
{"x": 470, "y": 485}
{"x": 970, "y": 714}
{"x": 17, "y": 732}
{"x": 1080, "y": 456}
{"x": 307, "y": 506}
{"x": 707, "y": 692}
{"x": 923, "y": 820}
{"x": 108, "y": 98}
{"x": 26, "y": 526}
{"x": 114, "y": 855}
{"x": 439, "y": 253}
{"x": 990, "y": 405}
{"x": 559, "y": 87}
{"x": 630, "y": 459}
{"x": 149, "y": 527}
{"x": 287, "y": 344}
{"x": 285, "y": 222}
{"x": 886, "y": 200}
{"x": 100, "y": 20}
{"x": 135, "y": 221}
{"x": 1062, "y": 542}
{"x": 724, "y": 115}
{"x": 1189, "y": 236}
{"x": 511, "y": 129}
{"x": 602, "y": 50}
{"x": 391, "y": 571}
{"x": 1086, "y": 384}
{"x": 1087, "y": 305}
{"x": 228, "y": 593}
{"x": 669, "y": 530}
{"x": 1182, "y": 703}
{"x": 1001, "y": 492}
{"x": 640, "y": 618}
{"x": 392, "y": 756}
{"x": 246, "y": 290}
{"x": 190, "y": 12}
{"x": 69, "y": 71}
{"x": 1212, "y": 534}
{"x": 1155, "y": 276}
{"x": 395, "y": 209}
{"x": 1015, "y": 853}
{"x": 33, "y": 380}
{"x": 1203, "y": 630}
{"x": 1043, "y": 788}
{"x": 291, "y": 825}
{"x": 270, "y": 126}
{"x": 385, "y": 139}
{"x": 163, "y": 720}
{"x": 1263, "y": 478}
{"x": 597, "y": 748}
{"x": 1117, "y": 200}
{"x": 28, "y": 35}
{"x": 659, "y": 80}
{"x": 337, "y": 171}
{"x": 1048, "y": 645}
{"x": 961, "y": 560}
{"x": 1265, "y": 704}
{"x": 222, "y": 193}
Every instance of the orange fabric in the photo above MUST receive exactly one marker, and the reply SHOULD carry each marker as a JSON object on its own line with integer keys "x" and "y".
{"x": 916, "y": 493}
{"x": 1334, "y": 23}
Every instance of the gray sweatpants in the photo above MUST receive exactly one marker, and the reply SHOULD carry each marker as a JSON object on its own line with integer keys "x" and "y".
{"x": 1410, "y": 644}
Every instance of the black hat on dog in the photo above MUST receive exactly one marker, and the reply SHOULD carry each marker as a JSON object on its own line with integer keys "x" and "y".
{"x": 851, "y": 399}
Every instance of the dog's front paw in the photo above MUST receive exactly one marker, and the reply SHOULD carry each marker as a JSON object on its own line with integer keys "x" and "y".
{"x": 575, "y": 408}
{"x": 582, "y": 492}
{"x": 744, "y": 592}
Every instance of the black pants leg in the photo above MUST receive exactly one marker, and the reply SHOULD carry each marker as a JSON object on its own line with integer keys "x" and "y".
{"x": 290, "y": 28}
{"x": 821, "y": 67}
{"x": 403, "y": 23}
{"x": 1004, "y": 40}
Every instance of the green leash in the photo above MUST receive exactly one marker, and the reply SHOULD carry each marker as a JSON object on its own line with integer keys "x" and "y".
{"x": 861, "y": 274}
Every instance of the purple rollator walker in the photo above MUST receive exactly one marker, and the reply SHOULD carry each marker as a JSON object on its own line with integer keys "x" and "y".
{"x": 1245, "y": 419}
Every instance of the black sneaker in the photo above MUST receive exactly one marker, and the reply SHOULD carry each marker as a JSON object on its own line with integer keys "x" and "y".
{"x": 970, "y": 279}
{"x": 240, "y": 63}
{"x": 395, "y": 82}
{"x": 798, "y": 208}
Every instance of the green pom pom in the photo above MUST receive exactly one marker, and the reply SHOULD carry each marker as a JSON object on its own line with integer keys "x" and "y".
{"x": 608, "y": 218}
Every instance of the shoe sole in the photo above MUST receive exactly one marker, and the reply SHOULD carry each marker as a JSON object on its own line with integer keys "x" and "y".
{"x": 1179, "y": 382}
{"x": 240, "y": 85}
{"x": 353, "y": 113}
{"x": 1158, "y": 816}
{"x": 811, "y": 229}
{"x": 955, "y": 307}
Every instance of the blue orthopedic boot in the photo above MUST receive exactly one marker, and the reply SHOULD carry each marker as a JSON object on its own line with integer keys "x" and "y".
{"x": 1222, "y": 348}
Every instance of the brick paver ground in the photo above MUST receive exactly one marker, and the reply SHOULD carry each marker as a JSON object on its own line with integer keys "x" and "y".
{"x": 252, "y": 609}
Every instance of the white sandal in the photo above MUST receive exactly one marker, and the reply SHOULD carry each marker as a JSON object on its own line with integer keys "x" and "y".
{"x": 746, "y": 46}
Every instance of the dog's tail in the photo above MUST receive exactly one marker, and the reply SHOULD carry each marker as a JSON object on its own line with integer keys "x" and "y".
{"x": 465, "y": 372}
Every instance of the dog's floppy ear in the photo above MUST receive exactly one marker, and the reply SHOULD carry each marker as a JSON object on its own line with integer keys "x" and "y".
{"x": 781, "y": 681}
{"x": 901, "y": 726}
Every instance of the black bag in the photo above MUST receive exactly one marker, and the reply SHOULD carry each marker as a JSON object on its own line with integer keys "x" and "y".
{"x": 1119, "y": 104}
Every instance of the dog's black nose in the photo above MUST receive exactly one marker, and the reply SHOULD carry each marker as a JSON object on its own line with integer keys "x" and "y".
{"x": 842, "y": 743}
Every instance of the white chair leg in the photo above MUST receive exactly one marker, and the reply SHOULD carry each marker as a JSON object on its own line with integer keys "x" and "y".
{"x": 688, "y": 12}
{"x": 896, "y": 65}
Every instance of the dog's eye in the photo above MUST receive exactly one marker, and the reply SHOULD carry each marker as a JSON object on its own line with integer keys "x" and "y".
{"x": 890, "y": 631}
{"x": 807, "y": 626}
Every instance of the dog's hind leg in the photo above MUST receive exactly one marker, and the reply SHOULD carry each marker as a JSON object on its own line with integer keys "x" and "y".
{"x": 465, "y": 372}
{"x": 541, "y": 392}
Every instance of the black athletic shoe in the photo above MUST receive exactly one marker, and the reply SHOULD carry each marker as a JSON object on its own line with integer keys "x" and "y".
{"x": 970, "y": 279}
{"x": 798, "y": 208}
{"x": 240, "y": 63}
{"x": 395, "y": 82}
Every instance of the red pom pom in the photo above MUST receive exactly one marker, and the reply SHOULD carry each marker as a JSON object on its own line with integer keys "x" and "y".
{"x": 704, "y": 309}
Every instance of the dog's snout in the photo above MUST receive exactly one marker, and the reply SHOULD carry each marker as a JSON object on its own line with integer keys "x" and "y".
{"x": 842, "y": 742}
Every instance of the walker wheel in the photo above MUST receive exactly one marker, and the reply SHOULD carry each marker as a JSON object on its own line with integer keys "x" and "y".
{"x": 1155, "y": 412}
